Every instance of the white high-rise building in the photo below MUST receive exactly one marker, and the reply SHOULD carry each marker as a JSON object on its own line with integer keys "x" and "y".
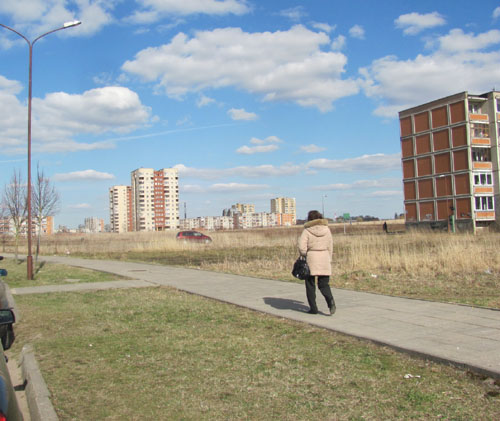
{"x": 120, "y": 209}
{"x": 284, "y": 205}
{"x": 155, "y": 199}
{"x": 93, "y": 225}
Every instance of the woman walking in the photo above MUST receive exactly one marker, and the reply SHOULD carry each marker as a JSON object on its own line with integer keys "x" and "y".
{"x": 316, "y": 244}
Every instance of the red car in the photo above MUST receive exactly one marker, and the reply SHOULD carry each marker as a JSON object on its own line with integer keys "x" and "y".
{"x": 194, "y": 236}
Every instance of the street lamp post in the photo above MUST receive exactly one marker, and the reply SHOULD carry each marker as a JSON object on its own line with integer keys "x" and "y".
{"x": 29, "y": 259}
{"x": 323, "y": 205}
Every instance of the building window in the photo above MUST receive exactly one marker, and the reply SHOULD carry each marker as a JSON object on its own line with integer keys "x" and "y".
{"x": 483, "y": 179}
{"x": 480, "y": 130}
{"x": 475, "y": 107}
{"x": 498, "y": 105}
{"x": 481, "y": 154}
{"x": 484, "y": 203}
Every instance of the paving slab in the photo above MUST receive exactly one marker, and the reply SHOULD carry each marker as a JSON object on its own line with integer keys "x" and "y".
{"x": 462, "y": 335}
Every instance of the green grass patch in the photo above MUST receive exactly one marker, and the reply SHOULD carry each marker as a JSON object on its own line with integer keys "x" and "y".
{"x": 50, "y": 274}
{"x": 158, "y": 353}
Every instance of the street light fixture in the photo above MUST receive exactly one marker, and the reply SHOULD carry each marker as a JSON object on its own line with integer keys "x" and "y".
{"x": 29, "y": 258}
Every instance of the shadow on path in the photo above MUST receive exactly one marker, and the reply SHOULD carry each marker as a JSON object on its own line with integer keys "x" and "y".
{"x": 286, "y": 304}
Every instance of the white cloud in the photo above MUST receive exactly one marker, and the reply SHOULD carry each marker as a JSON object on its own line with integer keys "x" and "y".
{"x": 454, "y": 67}
{"x": 59, "y": 117}
{"x": 457, "y": 40}
{"x": 86, "y": 175}
{"x": 103, "y": 79}
{"x": 312, "y": 148}
{"x": 250, "y": 150}
{"x": 80, "y": 206}
{"x": 241, "y": 114}
{"x": 338, "y": 43}
{"x": 294, "y": 13}
{"x": 35, "y": 17}
{"x": 325, "y": 27}
{"x": 361, "y": 185}
{"x": 241, "y": 171}
{"x": 279, "y": 66}
{"x": 269, "y": 139}
{"x": 204, "y": 101}
{"x": 154, "y": 10}
{"x": 413, "y": 23}
{"x": 236, "y": 187}
{"x": 185, "y": 121}
{"x": 263, "y": 145}
{"x": 365, "y": 163}
{"x": 386, "y": 193}
{"x": 496, "y": 13}
{"x": 222, "y": 188}
{"x": 357, "y": 31}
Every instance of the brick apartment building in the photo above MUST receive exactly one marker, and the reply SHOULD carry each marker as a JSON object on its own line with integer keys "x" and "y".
{"x": 285, "y": 205}
{"x": 150, "y": 203}
{"x": 450, "y": 161}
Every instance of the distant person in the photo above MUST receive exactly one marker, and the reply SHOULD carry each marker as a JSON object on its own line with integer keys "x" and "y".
{"x": 316, "y": 244}
{"x": 384, "y": 227}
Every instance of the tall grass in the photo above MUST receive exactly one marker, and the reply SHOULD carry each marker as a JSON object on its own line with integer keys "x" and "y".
{"x": 457, "y": 267}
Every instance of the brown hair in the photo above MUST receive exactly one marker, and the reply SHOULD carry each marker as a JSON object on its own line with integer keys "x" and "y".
{"x": 314, "y": 214}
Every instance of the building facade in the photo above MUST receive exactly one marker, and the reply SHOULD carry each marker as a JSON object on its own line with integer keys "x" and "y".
{"x": 450, "y": 161}
{"x": 155, "y": 199}
{"x": 120, "y": 208}
{"x": 93, "y": 225}
{"x": 243, "y": 208}
{"x": 237, "y": 221}
{"x": 284, "y": 205}
{"x": 47, "y": 228}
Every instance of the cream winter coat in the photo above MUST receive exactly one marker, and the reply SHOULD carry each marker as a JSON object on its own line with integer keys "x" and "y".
{"x": 316, "y": 244}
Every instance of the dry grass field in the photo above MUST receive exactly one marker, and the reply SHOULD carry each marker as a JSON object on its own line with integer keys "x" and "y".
{"x": 461, "y": 267}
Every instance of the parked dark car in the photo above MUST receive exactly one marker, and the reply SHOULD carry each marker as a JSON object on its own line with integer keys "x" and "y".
{"x": 194, "y": 236}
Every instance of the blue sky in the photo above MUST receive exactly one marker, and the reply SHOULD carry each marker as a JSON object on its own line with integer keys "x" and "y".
{"x": 250, "y": 100}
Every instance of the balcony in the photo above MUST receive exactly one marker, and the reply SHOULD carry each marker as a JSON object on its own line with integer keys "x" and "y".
{"x": 481, "y": 141}
{"x": 478, "y": 117}
{"x": 478, "y": 165}
{"x": 483, "y": 190}
{"x": 481, "y": 159}
{"x": 485, "y": 215}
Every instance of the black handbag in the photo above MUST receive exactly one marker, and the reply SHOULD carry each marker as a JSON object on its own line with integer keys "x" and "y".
{"x": 301, "y": 268}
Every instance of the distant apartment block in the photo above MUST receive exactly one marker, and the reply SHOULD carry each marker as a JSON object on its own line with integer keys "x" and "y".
{"x": 263, "y": 220}
{"x": 238, "y": 221}
{"x": 243, "y": 208}
{"x": 284, "y": 205}
{"x": 155, "y": 199}
{"x": 94, "y": 225}
{"x": 450, "y": 161}
{"x": 47, "y": 227}
{"x": 120, "y": 208}
{"x": 208, "y": 223}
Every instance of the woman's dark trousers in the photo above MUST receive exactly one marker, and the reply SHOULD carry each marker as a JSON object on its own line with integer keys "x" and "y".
{"x": 324, "y": 287}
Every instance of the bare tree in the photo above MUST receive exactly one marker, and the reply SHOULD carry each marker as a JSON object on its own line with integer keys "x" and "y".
{"x": 4, "y": 224}
{"x": 45, "y": 203}
{"x": 15, "y": 202}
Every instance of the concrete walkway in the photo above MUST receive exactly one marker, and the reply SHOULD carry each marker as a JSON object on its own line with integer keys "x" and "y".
{"x": 461, "y": 335}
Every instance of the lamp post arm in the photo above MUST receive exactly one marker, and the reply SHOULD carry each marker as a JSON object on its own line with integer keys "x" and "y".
{"x": 55, "y": 30}
{"x": 18, "y": 33}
